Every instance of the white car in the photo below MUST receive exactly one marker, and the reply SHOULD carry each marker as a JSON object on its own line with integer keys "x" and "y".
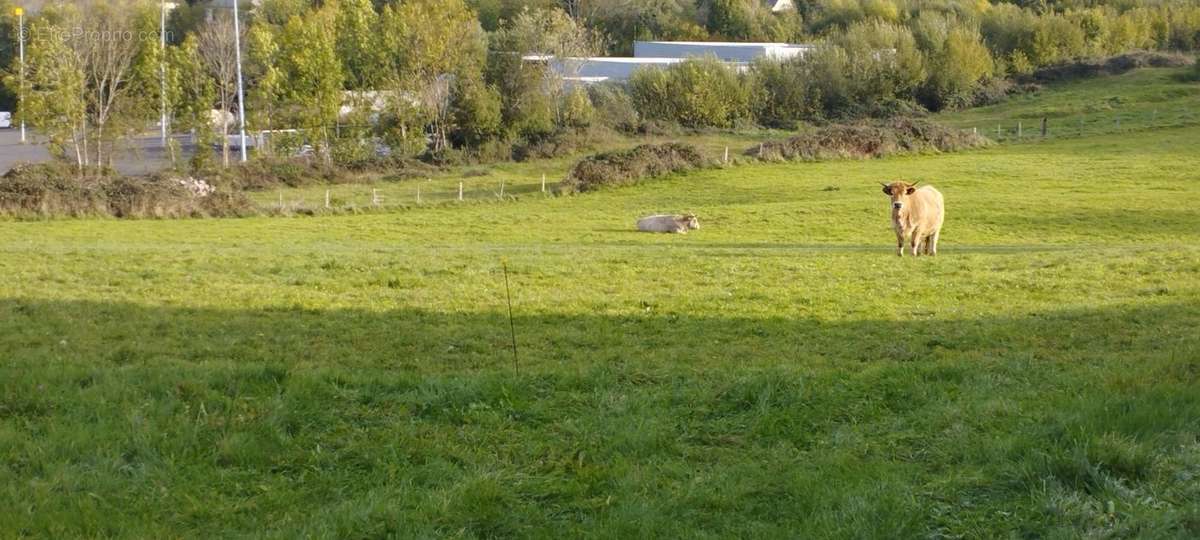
{"x": 5, "y": 120}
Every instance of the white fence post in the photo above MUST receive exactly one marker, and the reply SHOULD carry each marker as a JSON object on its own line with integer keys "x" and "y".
{"x": 543, "y": 182}
{"x": 327, "y": 198}
{"x": 460, "y": 185}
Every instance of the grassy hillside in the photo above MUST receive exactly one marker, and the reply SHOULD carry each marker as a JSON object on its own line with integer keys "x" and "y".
{"x": 1134, "y": 101}
{"x": 777, "y": 373}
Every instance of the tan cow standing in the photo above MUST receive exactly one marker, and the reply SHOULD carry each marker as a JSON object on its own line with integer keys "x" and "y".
{"x": 917, "y": 216}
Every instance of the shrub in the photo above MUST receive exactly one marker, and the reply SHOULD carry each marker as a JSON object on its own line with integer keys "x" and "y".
{"x": 356, "y": 153}
{"x": 869, "y": 140}
{"x": 476, "y": 109}
{"x": 577, "y": 109}
{"x": 957, "y": 68}
{"x": 614, "y": 107}
{"x": 628, "y": 166}
{"x": 701, "y": 92}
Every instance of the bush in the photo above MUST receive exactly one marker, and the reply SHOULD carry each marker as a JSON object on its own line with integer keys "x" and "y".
{"x": 476, "y": 110}
{"x": 869, "y": 140}
{"x": 577, "y": 109}
{"x": 54, "y": 190}
{"x": 695, "y": 93}
{"x": 628, "y": 166}
{"x": 614, "y": 107}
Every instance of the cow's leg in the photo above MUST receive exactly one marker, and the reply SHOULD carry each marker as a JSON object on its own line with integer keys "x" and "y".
{"x": 899, "y": 244}
{"x": 916, "y": 243}
{"x": 933, "y": 241}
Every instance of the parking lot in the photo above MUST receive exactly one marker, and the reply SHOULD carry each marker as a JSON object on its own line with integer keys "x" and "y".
{"x": 140, "y": 155}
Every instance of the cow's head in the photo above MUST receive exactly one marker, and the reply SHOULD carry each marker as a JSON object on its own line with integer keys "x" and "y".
{"x": 899, "y": 192}
{"x": 691, "y": 221}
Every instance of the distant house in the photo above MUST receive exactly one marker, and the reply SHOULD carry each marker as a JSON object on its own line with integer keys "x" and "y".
{"x": 779, "y": 6}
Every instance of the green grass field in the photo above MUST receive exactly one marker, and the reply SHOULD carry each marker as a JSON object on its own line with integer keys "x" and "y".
{"x": 778, "y": 373}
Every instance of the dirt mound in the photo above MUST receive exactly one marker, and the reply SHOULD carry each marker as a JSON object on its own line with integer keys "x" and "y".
{"x": 629, "y": 166}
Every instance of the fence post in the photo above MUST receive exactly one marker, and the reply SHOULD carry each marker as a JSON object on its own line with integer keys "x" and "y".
{"x": 1019, "y": 130}
{"x": 974, "y": 131}
{"x": 727, "y": 155}
{"x": 543, "y": 182}
{"x": 327, "y": 198}
{"x": 760, "y": 150}
{"x": 501, "y": 188}
{"x": 374, "y": 197}
{"x": 281, "y": 199}
{"x": 997, "y": 131}
{"x": 418, "y": 194}
{"x": 460, "y": 191}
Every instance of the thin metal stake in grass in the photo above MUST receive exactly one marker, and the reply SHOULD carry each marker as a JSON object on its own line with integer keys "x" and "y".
{"x": 512, "y": 328}
{"x": 460, "y": 191}
{"x": 327, "y": 198}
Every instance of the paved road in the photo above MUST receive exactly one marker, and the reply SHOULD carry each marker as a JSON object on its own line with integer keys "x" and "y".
{"x": 141, "y": 155}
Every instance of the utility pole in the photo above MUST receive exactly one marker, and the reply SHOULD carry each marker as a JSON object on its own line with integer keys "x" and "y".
{"x": 237, "y": 45}
{"x": 162, "y": 70}
{"x": 21, "y": 42}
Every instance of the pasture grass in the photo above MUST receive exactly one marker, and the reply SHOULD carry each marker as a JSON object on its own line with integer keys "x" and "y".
{"x": 778, "y": 373}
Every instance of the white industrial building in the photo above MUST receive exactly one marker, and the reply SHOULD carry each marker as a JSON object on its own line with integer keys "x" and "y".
{"x": 729, "y": 52}
{"x": 599, "y": 69}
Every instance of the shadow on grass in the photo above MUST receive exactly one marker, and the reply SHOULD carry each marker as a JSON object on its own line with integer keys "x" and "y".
{"x": 99, "y": 334}
{"x": 248, "y": 420}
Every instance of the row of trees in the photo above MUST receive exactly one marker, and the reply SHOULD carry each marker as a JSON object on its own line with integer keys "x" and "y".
{"x": 431, "y": 76}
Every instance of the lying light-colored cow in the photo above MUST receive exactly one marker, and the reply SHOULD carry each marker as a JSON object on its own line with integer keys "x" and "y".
{"x": 917, "y": 216}
{"x": 668, "y": 224}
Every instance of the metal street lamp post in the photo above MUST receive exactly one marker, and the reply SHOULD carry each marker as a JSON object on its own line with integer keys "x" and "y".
{"x": 21, "y": 45}
{"x": 237, "y": 44}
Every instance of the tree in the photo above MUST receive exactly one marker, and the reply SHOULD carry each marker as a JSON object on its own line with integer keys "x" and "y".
{"x": 311, "y": 78}
{"x": 551, "y": 33}
{"x": 218, "y": 54}
{"x": 357, "y": 27}
{"x": 108, "y": 40}
{"x": 190, "y": 94}
{"x": 54, "y": 92}
{"x": 432, "y": 43}
{"x": 8, "y": 54}
{"x": 265, "y": 95}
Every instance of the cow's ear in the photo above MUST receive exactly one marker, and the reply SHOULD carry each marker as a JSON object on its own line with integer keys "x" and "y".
{"x": 911, "y": 190}
{"x": 887, "y": 190}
